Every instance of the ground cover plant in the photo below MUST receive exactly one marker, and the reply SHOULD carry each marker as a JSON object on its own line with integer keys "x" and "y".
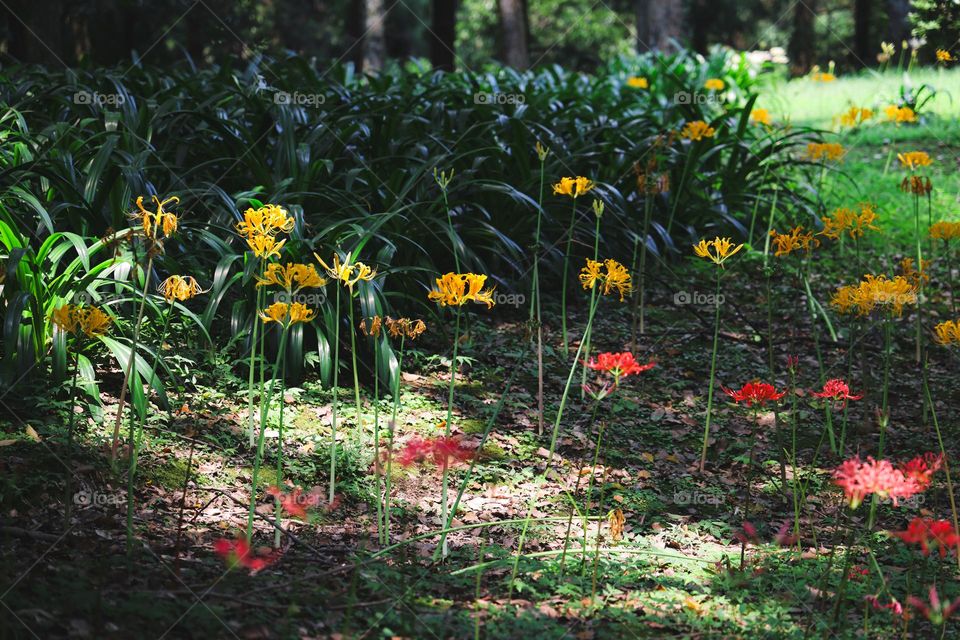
{"x": 665, "y": 349}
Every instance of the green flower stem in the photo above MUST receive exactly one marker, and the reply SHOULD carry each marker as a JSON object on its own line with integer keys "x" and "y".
{"x": 444, "y": 520}
{"x": 353, "y": 357}
{"x": 593, "y": 296}
{"x": 713, "y": 374}
{"x": 576, "y": 488}
{"x": 553, "y": 446}
{"x": 253, "y": 358}
{"x": 535, "y": 305}
{"x": 885, "y": 416}
{"x": 132, "y": 362}
{"x": 264, "y": 411}
{"x": 919, "y": 267}
{"x": 943, "y": 452}
{"x": 283, "y": 390}
{"x": 453, "y": 235}
{"x": 566, "y": 273}
{"x": 639, "y": 297}
{"x": 381, "y": 531}
{"x": 68, "y": 480}
{"x": 793, "y": 455}
{"x": 391, "y": 431}
{"x": 336, "y": 382}
{"x": 156, "y": 362}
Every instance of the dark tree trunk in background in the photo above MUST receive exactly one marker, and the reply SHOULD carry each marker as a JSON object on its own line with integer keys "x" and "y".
{"x": 898, "y": 25}
{"x": 513, "y": 20}
{"x": 375, "y": 36}
{"x": 659, "y": 24}
{"x": 356, "y": 19}
{"x": 862, "y": 20}
{"x": 802, "y": 49}
{"x": 443, "y": 34}
{"x": 37, "y": 32}
{"x": 700, "y": 17}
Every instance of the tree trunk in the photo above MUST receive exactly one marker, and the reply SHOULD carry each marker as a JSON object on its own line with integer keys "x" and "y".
{"x": 513, "y": 21}
{"x": 375, "y": 36}
{"x": 898, "y": 25}
{"x": 356, "y": 18}
{"x": 443, "y": 34}
{"x": 862, "y": 46}
{"x": 700, "y": 19}
{"x": 801, "y": 48}
{"x": 660, "y": 24}
{"x": 37, "y": 32}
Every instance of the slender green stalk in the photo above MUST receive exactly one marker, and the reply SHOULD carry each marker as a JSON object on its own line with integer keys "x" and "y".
{"x": 793, "y": 454}
{"x": 391, "y": 431}
{"x": 576, "y": 488}
{"x": 639, "y": 298}
{"x": 156, "y": 360}
{"x": 683, "y": 180}
{"x": 335, "y": 403}
{"x": 553, "y": 446}
{"x": 566, "y": 274}
{"x": 283, "y": 391}
{"x": 919, "y": 267}
{"x": 68, "y": 480}
{"x": 132, "y": 362}
{"x": 444, "y": 519}
{"x": 593, "y": 295}
{"x": 251, "y": 421}
{"x": 353, "y": 357}
{"x": 885, "y": 416}
{"x": 381, "y": 529}
{"x": 586, "y": 505}
{"x": 264, "y": 411}
{"x": 713, "y": 374}
{"x": 943, "y": 452}
{"x": 535, "y": 303}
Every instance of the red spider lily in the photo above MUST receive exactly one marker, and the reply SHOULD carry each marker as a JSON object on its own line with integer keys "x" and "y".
{"x": 296, "y": 502}
{"x": 793, "y": 363}
{"x": 754, "y": 393}
{"x": 238, "y": 552}
{"x": 784, "y": 538}
{"x": 747, "y": 535}
{"x": 936, "y": 612}
{"x": 836, "y": 390}
{"x": 924, "y": 531}
{"x": 857, "y": 572}
{"x": 922, "y": 468}
{"x": 894, "y": 606}
{"x": 442, "y": 450}
{"x": 859, "y": 479}
{"x": 619, "y": 365}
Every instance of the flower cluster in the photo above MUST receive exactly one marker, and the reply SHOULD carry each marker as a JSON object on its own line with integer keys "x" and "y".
{"x": 836, "y": 390}
{"x": 948, "y": 332}
{"x": 761, "y": 116}
{"x": 291, "y": 277}
{"x": 457, "y": 289}
{"x": 795, "y": 240}
{"x": 819, "y": 151}
{"x": 260, "y": 228}
{"x": 714, "y": 84}
{"x": 442, "y": 451}
{"x": 238, "y": 552}
{"x": 945, "y": 230}
{"x": 716, "y": 250}
{"x": 855, "y": 116}
{"x": 917, "y": 185}
{"x": 638, "y": 82}
{"x": 697, "y": 130}
{"x": 912, "y": 160}
{"x": 944, "y": 56}
{"x": 899, "y": 114}
{"x": 619, "y": 365}
{"x": 347, "y": 273}
{"x": 909, "y": 271}
{"x": 287, "y": 314}
{"x": 296, "y": 502}
{"x": 859, "y": 479}
{"x": 611, "y": 275}
{"x": 405, "y": 327}
{"x": 754, "y": 393}
{"x": 573, "y": 187}
{"x": 179, "y": 288}
{"x": 922, "y": 468}
{"x": 853, "y": 222}
{"x": 157, "y": 222}
{"x": 79, "y": 320}
{"x": 875, "y": 292}
{"x": 936, "y": 612}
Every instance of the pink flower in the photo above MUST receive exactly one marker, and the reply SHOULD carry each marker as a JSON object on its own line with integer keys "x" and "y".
{"x": 924, "y": 531}
{"x": 238, "y": 552}
{"x": 442, "y": 450}
{"x": 296, "y": 502}
{"x": 894, "y": 606}
{"x": 922, "y": 468}
{"x": 619, "y": 365}
{"x": 936, "y": 612}
{"x": 860, "y": 479}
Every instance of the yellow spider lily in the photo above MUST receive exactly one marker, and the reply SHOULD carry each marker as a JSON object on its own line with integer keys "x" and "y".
{"x": 268, "y": 220}
{"x": 722, "y": 249}
{"x": 291, "y": 277}
{"x": 714, "y": 84}
{"x": 945, "y": 230}
{"x": 457, "y": 289}
{"x": 161, "y": 220}
{"x": 612, "y": 275}
{"x": 265, "y": 246}
{"x": 825, "y": 151}
{"x": 76, "y": 320}
{"x": 875, "y": 292}
{"x": 637, "y": 82}
{"x": 900, "y": 114}
{"x": 796, "y": 240}
{"x": 287, "y": 314}
{"x": 697, "y": 130}
{"x": 179, "y": 288}
{"x": 573, "y": 187}
{"x": 761, "y": 116}
{"x": 371, "y": 327}
{"x": 914, "y": 159}
{"x": 948, "y": 332}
